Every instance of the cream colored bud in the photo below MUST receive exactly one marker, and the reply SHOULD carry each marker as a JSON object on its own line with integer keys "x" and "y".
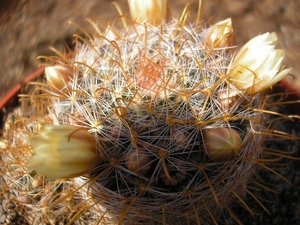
{"x": 220, "y": 35}
{"x": 62, "y": 151}
{"x": 222, "y": 144}
{"x": 152, "y": 11}
{"x": 257, "y": 65}
{"x": 58, "y": 77}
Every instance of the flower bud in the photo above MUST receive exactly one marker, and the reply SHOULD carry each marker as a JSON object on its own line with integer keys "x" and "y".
{"x": 152, "y": 11}
{"x": 180, "y": 138}
{"x": 222, "y": 144}
{"x": 138, "y": 161}
{"x": 220, "y": 35}
{"x": 62, "y": 151}
{"x": 257, "y": 65}
{"x": 58, "y": 77}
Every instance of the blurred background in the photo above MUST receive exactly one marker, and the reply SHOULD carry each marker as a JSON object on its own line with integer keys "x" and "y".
{"x": 29, "y": 27}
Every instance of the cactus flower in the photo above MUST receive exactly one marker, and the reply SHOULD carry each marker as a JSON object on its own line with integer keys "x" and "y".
{"x": 62, "y": 151}
{"x": 153, "y": 11}
{"x": 257, "y": 65}
{"x": 220, "y": 34}
{"x": 222, "y": 144}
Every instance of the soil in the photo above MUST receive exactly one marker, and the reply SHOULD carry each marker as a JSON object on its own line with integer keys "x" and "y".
{"x": 29, "y": 27}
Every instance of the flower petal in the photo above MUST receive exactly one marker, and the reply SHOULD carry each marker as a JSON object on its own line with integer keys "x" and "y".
{"x": 152, "y": 11}
{"x": 256, "y": 64}
{"x": 63, "y": 151}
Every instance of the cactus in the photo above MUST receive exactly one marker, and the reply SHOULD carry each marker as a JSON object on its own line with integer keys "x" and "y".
{"x": 156, "y": 122}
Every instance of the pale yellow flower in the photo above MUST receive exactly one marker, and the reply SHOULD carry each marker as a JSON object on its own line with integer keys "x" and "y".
{"x": 62, "y": 151}
{"x": 220, "y": 34}
{"x": 152, "y": 11}
{"x": 257, "y": 65}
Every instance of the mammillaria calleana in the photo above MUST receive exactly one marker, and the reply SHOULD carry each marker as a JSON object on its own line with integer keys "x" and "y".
{"x": 175, "y": 114}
